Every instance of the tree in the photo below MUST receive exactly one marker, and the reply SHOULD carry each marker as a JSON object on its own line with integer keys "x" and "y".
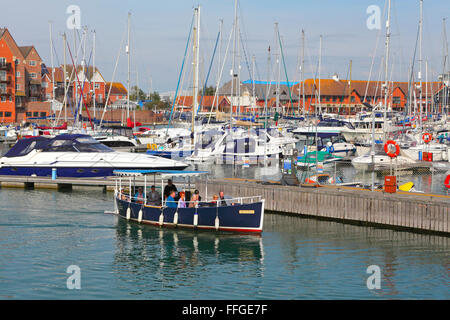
{"x": 155, "y": 102}
{"x": 209, "y": 91}
{"x": 137, "y": 94}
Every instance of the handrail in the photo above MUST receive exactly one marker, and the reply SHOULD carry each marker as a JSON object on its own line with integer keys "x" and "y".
{"x": 239, "y": 200}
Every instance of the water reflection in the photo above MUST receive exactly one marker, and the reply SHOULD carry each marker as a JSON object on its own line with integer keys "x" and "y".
{"x": 169, "y": 258}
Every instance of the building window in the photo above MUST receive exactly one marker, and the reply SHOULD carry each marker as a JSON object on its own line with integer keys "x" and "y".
{"x": 2, "y": 61}
{"x": 1, "y": 114}
{"x": 7, "y": 114}
{"x": 17, "y": 86}
{"x": 97, "y": 86}
{"x": 33, "y": 99}
{"x": 396, "y": 100}
{"x": 35, "y": 114}
{"x": 32, "y": 63}
{"x": 43, "y": 114}
{"x": 44, "y": 84}
{"x": 17, "y": 74}
{"x": 28, "y": 114}
{"x": 48, "y": 95}
{"x": 352, "y": 99}
{"x": 33, "y": 75}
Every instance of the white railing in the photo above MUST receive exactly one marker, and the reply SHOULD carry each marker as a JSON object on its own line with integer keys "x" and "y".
{"x": 199, "y": 204}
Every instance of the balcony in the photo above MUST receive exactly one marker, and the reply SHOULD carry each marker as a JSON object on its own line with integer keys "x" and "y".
{"x": 5, "y": 66}
{"x": 5, "y": 79}
{"x": 5, "y": 92}
{"x": 35, "y": 93}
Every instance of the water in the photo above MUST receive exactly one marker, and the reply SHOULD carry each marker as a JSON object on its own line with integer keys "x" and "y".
{"x": 44, "y": 232}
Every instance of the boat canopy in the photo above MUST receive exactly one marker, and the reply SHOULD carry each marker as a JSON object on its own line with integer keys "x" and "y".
{"x": 60, "y": 143}
{"x": 163, "y": 173}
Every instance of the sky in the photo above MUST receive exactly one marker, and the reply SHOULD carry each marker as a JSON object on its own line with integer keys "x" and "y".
{"x": 160, "y": 29}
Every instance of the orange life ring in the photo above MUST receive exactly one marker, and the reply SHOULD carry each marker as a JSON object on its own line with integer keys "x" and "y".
{"x": 84, "y": 126}
{"x": 427, "y": 137}
{"x": 388, "y": 152}
{"x": 447, "y": 182}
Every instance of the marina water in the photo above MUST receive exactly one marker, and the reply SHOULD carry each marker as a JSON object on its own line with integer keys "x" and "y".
{"x": 43, "y": 232}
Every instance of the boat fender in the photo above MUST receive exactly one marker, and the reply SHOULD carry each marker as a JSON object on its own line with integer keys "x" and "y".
{"x": 161, "y": 219}
{"x": 195, "y": 219}
{"x": 140, "y": 216}
{"x": 128, "y": 213}
{"x": 175, "y": 218}
{"x": 217, "y": 223}
{"x": 331, "y": 149}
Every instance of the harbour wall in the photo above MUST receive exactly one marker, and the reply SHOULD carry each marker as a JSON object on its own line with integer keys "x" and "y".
{"x": 406, "y": 211}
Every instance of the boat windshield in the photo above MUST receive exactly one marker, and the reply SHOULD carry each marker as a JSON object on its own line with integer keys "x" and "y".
{"x": 80, "y": 144}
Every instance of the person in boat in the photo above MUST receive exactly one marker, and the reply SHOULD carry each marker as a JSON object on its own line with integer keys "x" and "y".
{"x": 139, "y": 196}
{"x": 169, "y": 188}
{"x": 170, "y": 202}
{"x": 194, "y": 200}
{"x": 181, "y": 201}
{"x": 222, "y": 201}
{"x": 154, "y": 198}
{"x": 198, "y": 195}
{"x": 213, "y": 203}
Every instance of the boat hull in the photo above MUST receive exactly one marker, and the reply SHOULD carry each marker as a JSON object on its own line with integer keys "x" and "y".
{"x": 247, "y": 218}
{"x": 66, "y": 172}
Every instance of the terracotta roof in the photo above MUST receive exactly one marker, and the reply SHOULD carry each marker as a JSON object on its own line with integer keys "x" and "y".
{"x": 88, "y": 71}
{"x": 25, "y": 50}
{"x": 59, "y": 74}
{"x": 331, "y": 87}
{"x": 206, "y": 102}
{"x": 116, "y": 89}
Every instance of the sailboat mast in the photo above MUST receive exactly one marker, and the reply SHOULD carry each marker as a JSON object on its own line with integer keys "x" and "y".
{"x": 303, "y": 71}
{"x": 233, "y": 64}
{"x": 386, "y": 65}
{"x": 128, "y": 78}
{"x": 420, "y": 64}
{"x": 195, "y": 73}
{"x": 277, "y": 97}
{"x": 65, "y": 77}
{"x": 93, "y": 71}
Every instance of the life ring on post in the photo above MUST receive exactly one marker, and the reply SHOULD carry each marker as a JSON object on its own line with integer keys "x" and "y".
{"x": 447, "y": 182}
{"x": 389, "y": 152}
{"x": 427, "y": 137}
{"x": 84, "y": 126}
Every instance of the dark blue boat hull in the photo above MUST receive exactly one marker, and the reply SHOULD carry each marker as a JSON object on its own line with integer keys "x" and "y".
{"x": 170, "y": 154}
{"x": 235, "y": 218}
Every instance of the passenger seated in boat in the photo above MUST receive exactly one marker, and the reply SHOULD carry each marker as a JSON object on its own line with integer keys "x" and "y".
{"x": 170, "y": 202}
{"x": 198, "y": 194}
{"x": 213, "y": 203}
{"x": 181, "y": 202}
{"x": 154, "y": 198}
{"x": 169, "y": 188}
{"x": 139, "y": 196}
{"x": 222, "y": 201}
{"x": 194, "y": 200}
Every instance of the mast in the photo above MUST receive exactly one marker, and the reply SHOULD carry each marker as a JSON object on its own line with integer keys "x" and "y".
{"x": 93, "y": 71}
{"x": 253, "y": 85}
{"x": 420, "y": 64}
{"x": 128, "y": 77}
{"x": 65, "y": 78}
{"x": 303, "y": 71}
{"x": 53, "y": 67}
{"x": 320, "y": 63}
{"x": 350, "y": 88}
{"x": 386, "y": 65}
{"x": 195, "y": 73}
{"x": 233, "y": 64}
{"x": 277, "y": 97}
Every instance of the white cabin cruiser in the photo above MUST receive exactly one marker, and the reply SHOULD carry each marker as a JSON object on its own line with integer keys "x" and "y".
{"x": 75, "y": 155}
